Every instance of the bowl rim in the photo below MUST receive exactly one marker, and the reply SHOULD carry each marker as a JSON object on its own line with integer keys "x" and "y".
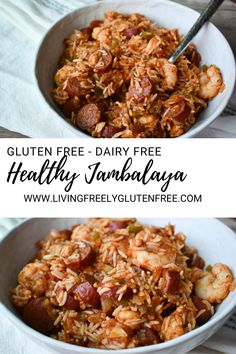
{"x": 149, "y": 348}
{"x": 193, "y": 130}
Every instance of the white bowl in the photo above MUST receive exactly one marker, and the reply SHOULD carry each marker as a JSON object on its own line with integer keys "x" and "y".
{"x": 215, "y": 242}
{"x": 212, "y": 45}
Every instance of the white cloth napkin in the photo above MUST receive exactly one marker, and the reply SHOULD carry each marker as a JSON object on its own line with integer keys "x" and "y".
{"x": 23, "y": 23}
{"x": 13, "y": 341}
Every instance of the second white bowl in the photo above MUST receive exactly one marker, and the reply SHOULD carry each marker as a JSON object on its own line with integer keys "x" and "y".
{"x": 215, "y": 242}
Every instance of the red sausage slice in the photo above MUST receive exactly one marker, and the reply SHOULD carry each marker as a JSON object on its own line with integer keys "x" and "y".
{"x": 108, "y": 131}
{"x": 179, "y": 111}
{"x": 85, "y": 258}
{"x": 141, "y": 93}
{"x": 36, "y": 315}
{"x": 95, "y": 23}
{"x": 73, "y": 88}
{"x": 112, "y": 293}
{"x": 86, "y": 32}
{"x": 65, "y": 234}
{"x": 118, "y": 224}
{"x": 104, "y": 61}
{"x": 172, "y": 281}
{"x": 129, "y": 32}
{"x": 199, "y": 304}
{"x": 88, "y": 116}
{"x": 71, "y": 303}
{"x": 87, "y": 293}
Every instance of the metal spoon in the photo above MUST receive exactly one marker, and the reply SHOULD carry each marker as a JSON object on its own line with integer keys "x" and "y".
{"x": 206, "y": 14}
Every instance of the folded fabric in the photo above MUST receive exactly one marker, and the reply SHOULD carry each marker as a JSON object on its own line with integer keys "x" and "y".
{"x": 23, "y": 24}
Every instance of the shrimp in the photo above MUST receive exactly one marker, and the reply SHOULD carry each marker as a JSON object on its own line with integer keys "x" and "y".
{"x": 81, "y": 233}
{"x": 21, "y": 296}
{"x": 152, "y": 45}
{"x": 154, "y": 255}
{"x": 101, "y": 35}
{"x": 179, "y": 322}
{"x": 128, "y": 318}
{"x": 62, "y": 74}
{"x": 150, "y": 260}
{"x": 34, "y": 277}
{"x": 117, "y": 337}
{"x": 214, "y": 286}
{"x": 63, "y": 249}
{"x": 170, "y": 74}
{"x": 210, "y": 83}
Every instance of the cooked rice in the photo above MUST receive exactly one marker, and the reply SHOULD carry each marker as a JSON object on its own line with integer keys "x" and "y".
{"x": 114, "y": 80}
{"x": 75, "y": 292}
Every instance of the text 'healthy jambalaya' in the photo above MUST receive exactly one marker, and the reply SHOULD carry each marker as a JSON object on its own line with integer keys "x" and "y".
{"x": 118, "y": 284}
{"x": 114, "y": 80}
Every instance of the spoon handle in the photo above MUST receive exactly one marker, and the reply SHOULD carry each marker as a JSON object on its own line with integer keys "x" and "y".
{"x": 205, "y": 15}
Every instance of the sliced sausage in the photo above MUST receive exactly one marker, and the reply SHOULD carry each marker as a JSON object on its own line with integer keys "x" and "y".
{"x": 104, "y": 61}
{"x": 87, "y": 293}
{"x": 88, "y": 116}
{"x": 87, "y": 256}
{"x": 86, "y": 32}
{"x": 73, "y": 264}
{"x": 142, "y": 92}
{"x": 129, "y": 32}
{"x": 172, "y": 281}
{"x": 36, "y": 315}
{"x": 178, "y": 112}
{"x": 72, "y": 303}
{"x": 112, "y": 293}
{"x": 118, "y": 224}
{"x": 168, "y": 311}
{"x": 95, "y": 23}
{"x": 73, "y": 88}
{"x": 200, "y": 305}
{"x": 65, "y": 234}
{"x": 108, "y": 131}
{"x": 146, "y": 88}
